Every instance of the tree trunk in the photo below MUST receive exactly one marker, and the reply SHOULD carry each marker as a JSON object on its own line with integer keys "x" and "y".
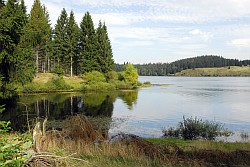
{"x": 71, "y": 66}
{"x": 37, "y": 61}
{"x": 48, "y": 65}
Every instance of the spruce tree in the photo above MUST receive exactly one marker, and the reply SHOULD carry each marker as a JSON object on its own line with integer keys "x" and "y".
{"x": 13, "y": 18}
{"x": 105, "y": 55}
{"x": 73, "y": 39}
{"x": 38, "y": 34}
{"x": 60, "y": 40}
{"x": 88, "y": 46}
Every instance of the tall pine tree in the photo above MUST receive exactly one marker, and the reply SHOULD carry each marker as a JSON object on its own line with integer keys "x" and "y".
{"x": 88, "y": 46}
{"x": 104, "y": 50}
{"x": 38, "y": 34}
{"x": 73, "y": 40}
{"x": 13, "y": 18}
{"x": 60, "y": 40}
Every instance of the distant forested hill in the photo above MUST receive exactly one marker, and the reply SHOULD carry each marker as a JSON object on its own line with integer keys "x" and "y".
{"x": 163, "y": 69}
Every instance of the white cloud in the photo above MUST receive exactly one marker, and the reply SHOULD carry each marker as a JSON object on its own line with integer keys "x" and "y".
{"x": 203, "y": 35}
{"x": 243, "y": 42}
{"x": 170, "y": 27}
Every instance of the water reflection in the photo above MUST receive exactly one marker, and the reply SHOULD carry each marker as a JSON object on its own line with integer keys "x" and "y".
{"x": 59, "y": 106}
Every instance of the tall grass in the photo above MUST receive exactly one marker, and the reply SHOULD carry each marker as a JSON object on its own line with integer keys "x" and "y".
{"x": 81, "y": 143}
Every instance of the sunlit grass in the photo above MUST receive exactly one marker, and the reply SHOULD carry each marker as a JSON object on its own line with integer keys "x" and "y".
{"x": 203, "y": 144}
{"x": 222, "y": 71}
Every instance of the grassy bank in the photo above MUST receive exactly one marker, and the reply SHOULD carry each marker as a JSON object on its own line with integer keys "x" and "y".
{"x": 94, "y": 81}
{"x": 231, "y": 71}
{"x": 81, "y": 143}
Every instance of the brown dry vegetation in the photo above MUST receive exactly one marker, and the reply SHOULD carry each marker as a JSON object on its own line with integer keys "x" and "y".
{"x": 80, "y": 143}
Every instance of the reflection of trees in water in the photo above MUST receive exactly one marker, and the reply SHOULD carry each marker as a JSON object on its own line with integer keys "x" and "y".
{"x": 60, "y": 105}
{"x": 129, "y": 97}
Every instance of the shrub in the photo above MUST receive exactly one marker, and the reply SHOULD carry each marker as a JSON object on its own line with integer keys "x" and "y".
{"x": 111, "y": 76}
{"x": 93, "y": 77}
{"x": 13, "y": 148}
{"x": 57, "y": 83}
{"x": 98, "y": 86}
{"x": 192, "y": 129}
{"x": 129, "y": 75}
{"x": 54, "y": 84}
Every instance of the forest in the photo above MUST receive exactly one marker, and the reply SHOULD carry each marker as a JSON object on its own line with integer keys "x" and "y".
{"x": 29, "y": 45}
{"x": 164, "y": 69}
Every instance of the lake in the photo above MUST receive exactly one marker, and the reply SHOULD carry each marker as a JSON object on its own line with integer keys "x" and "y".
{"x": 146, "y": 111}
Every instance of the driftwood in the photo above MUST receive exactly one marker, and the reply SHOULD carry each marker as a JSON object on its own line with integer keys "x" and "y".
{"x": 39, "y": 135}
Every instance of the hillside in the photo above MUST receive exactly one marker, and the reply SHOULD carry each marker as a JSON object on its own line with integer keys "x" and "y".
{"x": 216, "y": 72}
{"x": 164, "y": 69}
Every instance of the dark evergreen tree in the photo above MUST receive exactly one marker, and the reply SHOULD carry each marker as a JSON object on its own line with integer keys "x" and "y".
{"x": 38, "y": 34}
{"x": 73, "y": 32}
{"x": 60, "y": 40}
{"x": 87, "y": 60}
{"x": 13, "y": 18}
{"x": 104, "y": 50}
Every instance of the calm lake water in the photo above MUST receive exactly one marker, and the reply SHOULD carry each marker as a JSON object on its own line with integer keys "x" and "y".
{"x": 146, "y": 111}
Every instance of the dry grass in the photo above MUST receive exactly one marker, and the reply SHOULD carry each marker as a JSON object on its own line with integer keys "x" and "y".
{"x": 43, "y": 77}
{"x": 80, "y": 143}
{"x": 74, "y": 81}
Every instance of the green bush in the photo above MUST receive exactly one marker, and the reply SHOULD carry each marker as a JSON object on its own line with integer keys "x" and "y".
{"x": 33, "y": 87}
{"x": 98, "y": 86}
{"x": 13, "y": 149}
{"x": 54, "y": 84}
{"x": 111, "y": 76}
{"x": 57, "y": 83}
{"x": 121, "y": 85}
{"x": 192, "y": 129}
{"x": 93, "y": 77}
{"x": 129, "y": 75}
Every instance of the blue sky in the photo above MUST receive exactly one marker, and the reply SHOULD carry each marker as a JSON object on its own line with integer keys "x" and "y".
{"x": 143, "y": 31}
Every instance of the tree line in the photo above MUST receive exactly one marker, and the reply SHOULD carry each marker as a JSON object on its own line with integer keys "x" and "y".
{"x": 28, "y": 44}
{"x": 163, "y": 69}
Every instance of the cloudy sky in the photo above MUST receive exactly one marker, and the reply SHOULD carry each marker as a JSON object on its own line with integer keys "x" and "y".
{"x": 143, "y": 31}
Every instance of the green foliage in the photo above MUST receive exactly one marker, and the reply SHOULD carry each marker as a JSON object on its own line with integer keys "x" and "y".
{"x": 38, "y": 34}
{"x": 95, "y": 80}
{"x": 54, "y": 84}
{"x": 93, "y": 77}
{"x": 13, "y": 19}
{"x": 13, "y": 147}
{"x": 164, "y": 69}
{"x": 104, "y": 50}
{"x": 192, "y": 129}
{"x": 87, "y": 60}
{"x": 130, "y": 75}
{"x": 73, "y": 40}
{"x": 60, "y": 42}
{"x": 58, "y": 70}
{"x": 111, "y": 76}
{"x": 57, "y": 83}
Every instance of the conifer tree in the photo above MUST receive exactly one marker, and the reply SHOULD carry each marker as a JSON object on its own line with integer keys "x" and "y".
{"x": 13, "y": 18}
{"x": 38, "y": 34}
{"x": 105, "y": 55}
{"x": 73, "y": 39}
{"x": 88, "y": 46}
{"x": 60, "y": 40}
